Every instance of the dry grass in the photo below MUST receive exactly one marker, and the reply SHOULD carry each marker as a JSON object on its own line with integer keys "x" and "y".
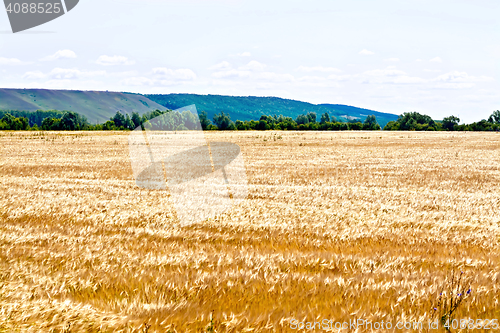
{"x": 337, "y": 225}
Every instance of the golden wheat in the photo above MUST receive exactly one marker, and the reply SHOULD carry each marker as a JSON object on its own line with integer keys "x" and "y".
{"x": 337, "y": 225}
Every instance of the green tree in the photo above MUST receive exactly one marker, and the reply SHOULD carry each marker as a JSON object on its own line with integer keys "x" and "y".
{"x": 70, "y": 122}
{"x": 136, "y": 119}
{"x": 129, "y": 124}
{"x": 241, "y": 125}
{"x": 204, "y": 121}
{"x": 223, "y": 122}
{"x": 325, "y": 118}
{"x": 263, "y": 125}
{"x": 7, "y": 121}
{"x": 312, "y": 117}
{"x": 449, "y": 123}
{"x": 51, "y": 124}
{"x": 119, "y": 119}
{"x": 109, "y": 125}
{"x": 410, "y": 121}
{"x": 356, "y": 126}
{"x": 190, "y": 121}
{"x": 302, "y": 119}
{"x": 495, "y": 117}
{"x": 371, "y": 124}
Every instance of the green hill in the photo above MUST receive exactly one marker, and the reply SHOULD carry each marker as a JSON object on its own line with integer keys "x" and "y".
{"x": 97, "y": 106}
{"x": 248, "y": 108}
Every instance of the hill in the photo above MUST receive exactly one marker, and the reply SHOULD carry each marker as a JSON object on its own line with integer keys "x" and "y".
{"x": 248, "y": 108}
{"x": 97, "y": 106}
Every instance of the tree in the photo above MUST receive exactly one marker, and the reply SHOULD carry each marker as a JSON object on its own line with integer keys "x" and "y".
{"x": 482, "y": 125}
{"x": 263, "y": 125}
{"x": 136, "y": 119}
{"x": 302, "y": 119}
{"x": 392, "y": 126}
{"x": 312, "y": 117}
{"x": 7, "y": 121}
{"x": 129, "y": 123}
{"x": 325, "y": 118}
{"x": 410, "y": 121}
{"x": 119, "y": 119}
{"x": 109, "y": 125}
{"x": 190, "y": 121}
{"x": 204, "y": 121}
{"x": 69, "y": 122}
{"x": 241, "y": 126}
{"x": 356, "y": 126}
{"x": 371, "y": 124}
{"x": 223, "y": 122}
{"x": 495, "y": 117}
{"x": 450, "y": 122}
{"x": 50, "y": 124}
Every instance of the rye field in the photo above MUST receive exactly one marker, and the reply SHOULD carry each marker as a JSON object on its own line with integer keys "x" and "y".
{"x": 337, "y": 225}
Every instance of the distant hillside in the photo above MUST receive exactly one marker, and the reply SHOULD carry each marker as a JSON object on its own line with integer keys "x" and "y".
{"x": 248, "y": 108}
{"x": 97, "y": 106}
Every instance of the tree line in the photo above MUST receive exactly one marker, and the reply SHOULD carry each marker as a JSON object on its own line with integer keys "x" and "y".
{"x": 303, "y": 122}
{"x": 54, "y": 120}
{"x": 414, "y": 121}
{"x": 173, "y": 120}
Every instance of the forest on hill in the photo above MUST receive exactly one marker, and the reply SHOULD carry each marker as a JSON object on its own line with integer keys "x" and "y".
{"x": 99, "y": 106}
{"x": 252, "y": 108}
{"x": 169, "y": 120}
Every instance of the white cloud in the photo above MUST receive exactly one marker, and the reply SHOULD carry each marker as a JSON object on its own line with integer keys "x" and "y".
{"x": 137, "y": 81}
{"x": 242, "y": 54}
{"x": 366, "y": 52}
{"x": 71, "y": 73}
{"x": 339, "y": 77}
{"x": 461, "y": 77}
{"x": 275, "y": 77}
{"x": 63, "y": 74}
{"x": 35, "y": 75}
{"x": 454, "y": 85}
{"x": 11, "y": 61}
{"x": 161, "y": 77}
{"x": 405, "y": 79}
{"x": 316, "y": 81}
{"x": 437, "y": 59}
{"x": 459, "y": 80}
{"x": 392, "y": 59}
{"x": 233, "y": 73}
{"x": 253, "y": 66}
{"x": 182, "y": 74}
{"x": 318, "y": 69}
{"x": 222, "y": 66}
{"x": 385, "y": 72}
{"x": 114, "y": 60}
{"x": 389, "y": 75}
{"x": 61, "y": 54}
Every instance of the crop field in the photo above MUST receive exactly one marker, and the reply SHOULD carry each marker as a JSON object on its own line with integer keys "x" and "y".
{"x": 337, "y": 226}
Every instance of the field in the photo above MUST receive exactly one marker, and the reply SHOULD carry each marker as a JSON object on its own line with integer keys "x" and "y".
{"x": 337, "y": 225}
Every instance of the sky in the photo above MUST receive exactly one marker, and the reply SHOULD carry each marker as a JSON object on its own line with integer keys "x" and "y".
{"x": 439, "y": 58}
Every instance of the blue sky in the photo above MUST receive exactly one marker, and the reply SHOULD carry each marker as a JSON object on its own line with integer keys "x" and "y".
{"x": 434, "y": 57}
